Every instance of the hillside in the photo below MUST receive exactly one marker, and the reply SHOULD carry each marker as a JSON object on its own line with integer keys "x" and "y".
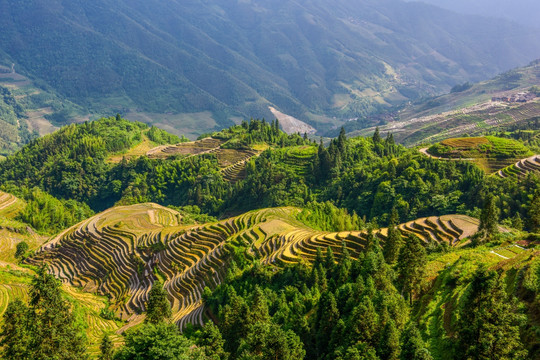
{"x": 192, "y": 67}
{"x": 251, "y": 241}
{"x": 470, "y": 109}
{"x": 121, "y": 252}
{"x": 490, "y": 153}
{"x": 28, "y": 110}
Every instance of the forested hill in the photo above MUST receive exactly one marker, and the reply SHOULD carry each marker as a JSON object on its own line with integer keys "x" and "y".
{"x": 251, "y": 166}
{"x": 282, "y": 247}
{"x": 216, "y": 61}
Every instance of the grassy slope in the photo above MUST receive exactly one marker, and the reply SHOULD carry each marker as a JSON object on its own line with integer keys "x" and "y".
{"x": 135, "y": 151}
{"x": 449, "y": 275}
{"x": 490, "y": 153}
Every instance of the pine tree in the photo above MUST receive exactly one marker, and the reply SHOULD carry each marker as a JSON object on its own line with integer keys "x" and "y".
{"x": 390, "y": 139}
{"x": 324, "y": 162}
{"x": 488, "y": 327}
{"x": 411, "y": 266}
{"x": 106, "y": 348}
{"x": 534, "y": 213}
{"x": 389, "y": 347}
{"x": 329, "y": 261}
{"x": 212, "y": 343}
{"x": 259, "y": 309}
{"x": 15, "y": 337}
{"x": 327, "y": 318}
{"x": 363, "y": 325}
{"x": 54, "y": 334}
{"x": 393, "y": 242}
{"x": 342, "y": 141}
{"x": 489, "y": 217}
{"x": 158, "y": 308}
{"x": 413, "y": 346}
{"x": 376, "y": 136}
{"x": 269, "y": 341}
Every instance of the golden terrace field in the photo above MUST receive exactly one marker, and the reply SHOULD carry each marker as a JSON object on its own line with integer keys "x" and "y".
{"x": 465, "y": 143}
{"x": 121, "y": 251}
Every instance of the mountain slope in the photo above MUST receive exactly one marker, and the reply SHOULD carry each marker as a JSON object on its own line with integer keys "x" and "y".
{"x": 468, "y": 109}
{"x": 312, "y": 60}
{"x": 524, "y": 12}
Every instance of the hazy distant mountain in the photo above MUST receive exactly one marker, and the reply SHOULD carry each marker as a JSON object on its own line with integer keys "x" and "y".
{"x": 525, "y": 12}
{"x": 313, "y": 59}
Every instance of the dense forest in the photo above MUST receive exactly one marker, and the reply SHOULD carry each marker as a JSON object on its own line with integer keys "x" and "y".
{"x": 366, "y": 176}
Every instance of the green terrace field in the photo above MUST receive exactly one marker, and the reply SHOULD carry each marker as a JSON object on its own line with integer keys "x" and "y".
{"x": 521, "y": 168}
{"x": 467, "y": 110}
{"x": 298, "y": 158}
{"x": 231, "y": 161}
{"x": 120, "y": 252}
{"x": 490, "y": 153}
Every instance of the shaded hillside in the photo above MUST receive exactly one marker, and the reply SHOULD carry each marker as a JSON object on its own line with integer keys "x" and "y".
{"x": 29, "y": 110}
{"x": 312, "y": 60}
{"x": 524, "y": 12}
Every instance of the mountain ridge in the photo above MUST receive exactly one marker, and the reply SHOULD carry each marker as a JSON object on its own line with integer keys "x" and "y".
{"x": 178, "y": 58}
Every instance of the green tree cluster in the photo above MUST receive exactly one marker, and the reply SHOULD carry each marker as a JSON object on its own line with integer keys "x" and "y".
{"x": 339, "y": 308}
{"x": 44, "y": 329}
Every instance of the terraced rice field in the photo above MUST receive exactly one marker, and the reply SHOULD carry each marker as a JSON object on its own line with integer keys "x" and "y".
{"x": 465, "y": 143}
{"x": 90, "y": 307}
{"x": 14, "y": 287}
{"x": 121, "y": 252}
{"x": 490, "y": 153}
{"x": 232, "y": 161}
{"x": 12, "y": 231}
{"x": 432, "y": 126}
{"x": 298, "y": 158}
{"x": 521, "y": 168}
{"x": 139, "y": 150}
{"x": 204, "y": 146}
{"x": 10, "y": 205}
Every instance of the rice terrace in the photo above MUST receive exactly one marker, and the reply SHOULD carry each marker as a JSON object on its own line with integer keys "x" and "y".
{"x": 489, "y": 153}
{"x": 121, "y": 251}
